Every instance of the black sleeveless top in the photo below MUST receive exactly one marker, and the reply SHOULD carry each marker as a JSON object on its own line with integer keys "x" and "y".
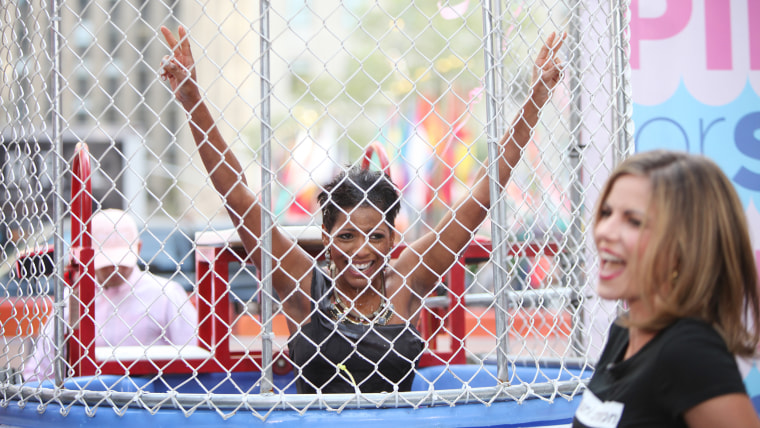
{"x": 375, "y": 356}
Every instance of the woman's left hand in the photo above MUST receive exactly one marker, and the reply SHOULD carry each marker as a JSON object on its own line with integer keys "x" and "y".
{"x": 547, "y": 71}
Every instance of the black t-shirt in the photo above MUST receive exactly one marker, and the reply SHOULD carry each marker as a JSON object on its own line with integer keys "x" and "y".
{"x": 376, "y": 357}
{"x": 682, "y": 366}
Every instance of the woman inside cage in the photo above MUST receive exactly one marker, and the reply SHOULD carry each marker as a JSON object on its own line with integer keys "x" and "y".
{"x": 352, "y": 325}
{"x": 674, "y": 245}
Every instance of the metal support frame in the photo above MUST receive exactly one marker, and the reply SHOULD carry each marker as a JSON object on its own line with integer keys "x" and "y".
{"x": 493, "y": 38}
{"x": 267, "y": 384}
{"x": 56, "y": 83}
{"x": 622, "y": 121}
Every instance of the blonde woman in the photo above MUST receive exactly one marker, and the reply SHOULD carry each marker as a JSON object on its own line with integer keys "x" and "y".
{"x": 674, "y": 245}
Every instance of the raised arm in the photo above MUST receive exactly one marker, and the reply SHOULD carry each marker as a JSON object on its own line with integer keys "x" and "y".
{"x": 227, "y": 174}
{"x": 223, "y": 167}
{"x": 439, "y": 248}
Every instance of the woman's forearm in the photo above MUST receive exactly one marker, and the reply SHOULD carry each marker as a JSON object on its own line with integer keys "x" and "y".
{"x": 222, "y": 165}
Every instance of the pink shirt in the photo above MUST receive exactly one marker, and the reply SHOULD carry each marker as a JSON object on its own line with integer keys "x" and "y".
{"x": 152, "y": 311}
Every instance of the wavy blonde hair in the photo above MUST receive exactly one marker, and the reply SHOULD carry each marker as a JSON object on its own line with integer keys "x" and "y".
{"x": 699, "y": 261}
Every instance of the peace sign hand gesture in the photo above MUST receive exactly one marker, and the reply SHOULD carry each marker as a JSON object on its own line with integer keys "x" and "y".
{"x": 547, "y": 71}
{"x": 179, "y": 68}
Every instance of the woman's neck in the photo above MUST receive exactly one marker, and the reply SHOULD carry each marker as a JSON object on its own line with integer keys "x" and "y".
{"x": 364, "y": 300}
{"x": 637, "y": 337}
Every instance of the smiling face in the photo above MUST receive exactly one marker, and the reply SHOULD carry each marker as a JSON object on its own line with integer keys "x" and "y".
{"x": 621, "y": 235}
{"x": 358, "y": 244}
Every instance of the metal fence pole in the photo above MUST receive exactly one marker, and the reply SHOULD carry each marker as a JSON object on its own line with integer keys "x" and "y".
{"x": 499, "y": 256}
{"x": 267, "y": 384}
{"x": 576, "y": 275}
{"x": 56, "y": 83}
{"x": 620, "y": 80}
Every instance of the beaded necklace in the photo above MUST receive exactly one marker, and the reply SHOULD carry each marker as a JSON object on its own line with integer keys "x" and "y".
{"x": 341, "y": 312}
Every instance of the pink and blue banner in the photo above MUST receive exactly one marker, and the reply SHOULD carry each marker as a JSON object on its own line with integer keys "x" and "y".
{"x": 695, "y": 68}
{"x": 696, "y": 82}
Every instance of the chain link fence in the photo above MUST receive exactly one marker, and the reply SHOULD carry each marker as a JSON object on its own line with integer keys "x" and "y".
{"x": 300, "y": 89}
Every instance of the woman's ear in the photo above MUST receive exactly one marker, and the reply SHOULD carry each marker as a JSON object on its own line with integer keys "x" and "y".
{"x": 325, "y": 237}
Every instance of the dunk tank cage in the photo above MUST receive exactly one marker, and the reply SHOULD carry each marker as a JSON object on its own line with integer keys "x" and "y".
{"x": 510, "y": 330}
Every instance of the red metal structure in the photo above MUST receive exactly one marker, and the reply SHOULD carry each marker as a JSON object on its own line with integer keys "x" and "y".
{"x": 80, "y": 273}
{"x": 376, "y": 149}
{"x": 213, "y": 258}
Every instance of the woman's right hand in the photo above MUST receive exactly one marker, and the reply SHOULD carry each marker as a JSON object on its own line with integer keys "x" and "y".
{"x": 179, "y": 68}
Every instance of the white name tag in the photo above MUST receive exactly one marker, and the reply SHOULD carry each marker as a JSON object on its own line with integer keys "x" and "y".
{"x": 595, "y": 413}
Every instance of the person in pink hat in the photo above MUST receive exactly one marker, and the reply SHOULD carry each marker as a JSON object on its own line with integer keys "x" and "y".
{"x": 132, "y": 307}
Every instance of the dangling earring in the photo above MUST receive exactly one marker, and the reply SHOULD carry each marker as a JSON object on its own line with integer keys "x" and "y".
{"x": 330, "y": 264}
{"x": 382, "y": 286}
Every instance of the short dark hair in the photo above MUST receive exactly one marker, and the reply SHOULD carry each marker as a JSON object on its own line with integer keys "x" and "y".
{"x": 359, "y": 187}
